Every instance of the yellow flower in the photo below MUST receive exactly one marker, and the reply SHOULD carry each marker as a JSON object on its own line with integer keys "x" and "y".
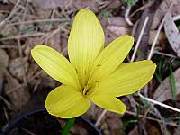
{"x": 95, "y": 73}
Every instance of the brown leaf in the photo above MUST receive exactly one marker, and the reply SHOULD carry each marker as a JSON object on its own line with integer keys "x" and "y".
{"x": 51, "y": 4}
{"x": 114, "y": 27}
{"x": 152, "y": 128}
{"x": 18, "y": 67}
{"x": 162, "y": 10}
{"x": 114, "y": 123}
{"x": 117, "y": 21}
{"x": 134, "y": 131}
{"x": 55, "y": 42}
{"x": 152, "y": 35}
{"x": 163, "y": 92}
{"x": 17, "y": 94}
{"x": 172, "y": 33}
{"x": 8, "y": 31}
{"x": 85, "y": 3}
{"x": 78, "y": 4}
{"x": 4, "y": 59}
{"x": 113, "y": 4}
{"x": 177, "y": 131}
{"x": 118, "y": 31}
{"x": 4, "y": 62}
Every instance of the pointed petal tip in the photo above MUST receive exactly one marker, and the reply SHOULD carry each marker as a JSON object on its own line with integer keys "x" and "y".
{"x": 55, "y": 65}
{"x": 128, "y": 78}
{"x": 131, "y": 38}
{"x": 151, "y": 63}
{"x": 85, "y": 42}
{"x": 37, "y": 47}
{"x": 40, "y": 46}
{"x": 110, "y": 103}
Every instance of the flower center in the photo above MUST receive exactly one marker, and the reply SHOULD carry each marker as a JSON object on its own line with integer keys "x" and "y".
{"x": 86, "y": 90}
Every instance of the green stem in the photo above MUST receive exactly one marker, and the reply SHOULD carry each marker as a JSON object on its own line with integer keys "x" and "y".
{"x": 69, "y": 124}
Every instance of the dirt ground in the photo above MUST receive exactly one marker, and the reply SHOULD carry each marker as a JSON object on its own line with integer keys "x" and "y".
{"x": 155, "y": 24}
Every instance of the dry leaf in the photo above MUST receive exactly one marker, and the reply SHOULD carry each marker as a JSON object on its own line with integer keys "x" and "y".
{"x": 113, "y": 4}
{"x": 115, "y": 124}
{"x": 152, "y": 128}
{"x": 114, "y": 27}
{"x": 51, "y": 4}
{"x": 163, "y": 9}
{"x": 18, "y": 67}
{"x": 4, "y": 59}
{"x": 4, "y": 62}
{"x": 17, "y": 94}
{"x": 78, "y": 4}
{"x": 55, "y": 42}
{"x": 134, "y": 131}
{"x": 177, "y": 131}
{"x": 117, "y": 21}
{"x": 8, "y": 31}
{"x": 118, "y": 31}
{"x": 152, "y": 35}
{"x": 1, "y": 82}
{"x": 172, "y": 33}
{"x": 163, "y": 92}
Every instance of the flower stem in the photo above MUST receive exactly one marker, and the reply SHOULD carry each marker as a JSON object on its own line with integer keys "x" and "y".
{"x": 69, "y": 124}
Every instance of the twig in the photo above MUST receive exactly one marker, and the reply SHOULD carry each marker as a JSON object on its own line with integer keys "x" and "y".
{"x": 134, "y": 114}
{"x": 29, "y": 80}
{"x": 128, "y": 21}
{"x": 22, "y": 36}
{"x": 6, "y": 102}
{"x": 155, "y": 40}
{"x": 159, "y": 103}
{"x": 142, "y": 8}
{"x": 2, "y": 23}
{"x": 166, "y": 54}
{"x": 39, "y": 21}
{"x": 100, "y": 118}
{"x": 139, "y": 38}
{"x": 150, "y": 118}
{"x": 8, "y": 46}
{"x": 176, "y": 17}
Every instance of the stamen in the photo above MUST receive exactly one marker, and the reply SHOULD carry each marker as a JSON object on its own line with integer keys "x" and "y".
{"x": 85, "y": 91}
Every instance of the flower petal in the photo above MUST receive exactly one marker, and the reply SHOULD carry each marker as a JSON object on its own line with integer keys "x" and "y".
{"x": 55, "y": 64}
{"x": 65, "y": 102}
{"x": 85, "y": 42}
{"x": 110, "y": 103}
{"x": 127, "y": 79}
{"x": 111, "y": 57}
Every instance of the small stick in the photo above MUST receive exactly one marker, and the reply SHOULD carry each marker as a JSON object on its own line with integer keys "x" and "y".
{"x": 39, "y": 21}
{"x": 159, "y": 103}
{"x": 22, "y": 36}
{"x": 139, "y": 39}
{"x": 128, "y": 21}
{"x": 155, "y": 40}
{"x": 164, "y": 54}
{"x": 100, "y": 118}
